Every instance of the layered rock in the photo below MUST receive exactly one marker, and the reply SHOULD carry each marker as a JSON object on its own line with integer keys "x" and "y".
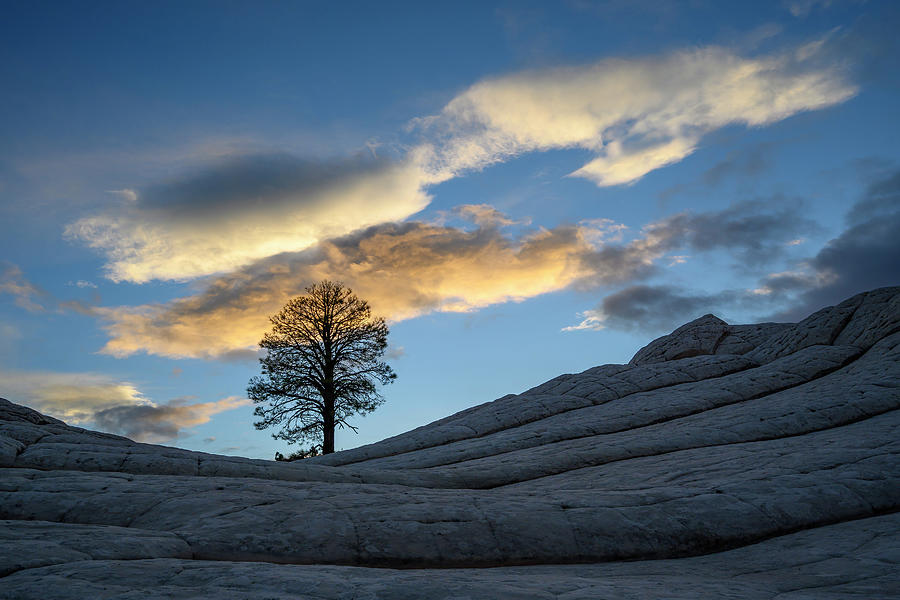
{"x": 772, "y": 446}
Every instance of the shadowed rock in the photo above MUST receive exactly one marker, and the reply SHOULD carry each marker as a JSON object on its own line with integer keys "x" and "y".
{"x": 714, "y": 439}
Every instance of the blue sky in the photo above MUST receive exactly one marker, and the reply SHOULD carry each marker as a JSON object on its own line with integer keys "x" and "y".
{"x": 522, "y": 189}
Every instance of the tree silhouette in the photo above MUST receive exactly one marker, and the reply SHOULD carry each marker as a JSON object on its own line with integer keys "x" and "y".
{"x": 321, "y": 365}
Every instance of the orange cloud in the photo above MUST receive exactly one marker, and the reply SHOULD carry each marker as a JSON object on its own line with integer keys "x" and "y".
{"x": 402, "y": 270}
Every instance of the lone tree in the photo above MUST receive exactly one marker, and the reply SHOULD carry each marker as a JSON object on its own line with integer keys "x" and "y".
{"x": 321, "y": 365}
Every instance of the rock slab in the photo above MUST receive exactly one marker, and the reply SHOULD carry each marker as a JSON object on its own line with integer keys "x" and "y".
{"x": 728, "y": 461}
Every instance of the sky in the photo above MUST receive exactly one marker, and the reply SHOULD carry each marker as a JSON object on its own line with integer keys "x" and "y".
{"x": 522, "y": 189}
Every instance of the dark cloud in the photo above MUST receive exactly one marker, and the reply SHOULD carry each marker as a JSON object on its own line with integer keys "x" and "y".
{"x": 658, "y": 308}
{"x": 871, "y": 47}
{"x": 252, "y": 182}
{"x": 747, "y": 162}
{"x": 882, "y": 198}
{"x": 865, "y": 256}
{"x": 756, "y": 232}
{"x": 781, "y": 286}
{"x": 138, "y": 422}
{"x": 157, "y": 423}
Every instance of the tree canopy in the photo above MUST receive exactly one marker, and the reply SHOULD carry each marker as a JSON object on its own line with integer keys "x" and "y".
{"x": 322, "y": 364}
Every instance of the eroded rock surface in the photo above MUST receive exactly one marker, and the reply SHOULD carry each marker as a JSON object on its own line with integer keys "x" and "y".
{"x": 748, "y": 461}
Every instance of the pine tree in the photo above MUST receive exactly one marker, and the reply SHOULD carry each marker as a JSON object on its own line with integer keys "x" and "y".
{"x": 322, "y": 363}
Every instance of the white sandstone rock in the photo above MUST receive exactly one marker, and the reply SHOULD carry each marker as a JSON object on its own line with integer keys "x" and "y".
{"x": 727, "y": 461}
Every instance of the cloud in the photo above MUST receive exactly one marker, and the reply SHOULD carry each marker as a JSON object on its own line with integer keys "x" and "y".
{"x": 10, "y": 342}
{"x": 485, "y": 215}
{"x": 31, "y": 297}
{"x": 25, "y": 294}
{"x": 406, "y": 270}
{"x": 244, "y": 208}
{"x": 636, "y": 114}
{"x": 782, "y": 285}
{"x": 619, "y": 166}
{"x": 864, "y": 256}
{"x": 73, "y": 397}
{"x": 403, "y": 270}
{"x": 160, "y": 423}
{"x": 9, "y": 332}
{"x": 591, "y": 320}
{"x": 107, "y": 404}
{"x": 395, "y": 352}
{"x": 750, "y": 162}
{"x": 755, "y": 232}
{"x": 651, "y": 308}
{"x": 802, "y": 8}
{"x": 81, "y": 283}
{"x": 881, "y": 198}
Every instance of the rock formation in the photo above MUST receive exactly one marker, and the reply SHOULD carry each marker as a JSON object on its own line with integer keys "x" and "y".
{"x": 749, "y": 461}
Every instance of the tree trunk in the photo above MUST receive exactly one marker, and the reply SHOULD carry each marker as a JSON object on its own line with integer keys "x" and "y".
{"x": 328, "y": 427}
{"x": 328, "y": 437}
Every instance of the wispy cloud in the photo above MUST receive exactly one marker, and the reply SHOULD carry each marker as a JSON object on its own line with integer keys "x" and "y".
{"x": 82, "y": 284}
{"x": 108, "y": 404}
{"x": 591, "y": 320}
{"x": 24, "y": 293}
{"x": 802, "y": 8}
{"x": 395, "y": 352}
{"x": 636, "y": 114}
{"x": 747, "y": 162}
{"x": 33, "y": 298}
